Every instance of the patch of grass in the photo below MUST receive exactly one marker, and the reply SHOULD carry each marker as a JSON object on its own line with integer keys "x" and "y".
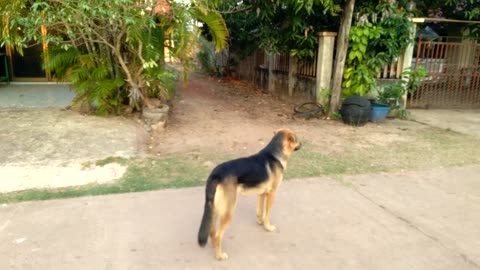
{"x": 432, "y": 147}
{"x": 105, "y": 161}
{"x": 310, "y": 162}
{"x": 176, "y": 171}
{"x": 109, "y": 160}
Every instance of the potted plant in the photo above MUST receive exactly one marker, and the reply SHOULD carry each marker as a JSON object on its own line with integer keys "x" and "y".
{"x": 393, "y": 94}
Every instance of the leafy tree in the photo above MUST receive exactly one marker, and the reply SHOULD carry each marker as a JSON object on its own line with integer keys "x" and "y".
{"x": 377, "y": 38}
{"x": 110, "y": 50}
{"x": 278, "y": 26}
{"x": 292, "y": 26}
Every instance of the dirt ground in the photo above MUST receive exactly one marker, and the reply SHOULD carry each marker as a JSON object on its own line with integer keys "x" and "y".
{"x": 209, "y": 118}
{"x": 49, "y": 147}
{"x": 218, "y": 116}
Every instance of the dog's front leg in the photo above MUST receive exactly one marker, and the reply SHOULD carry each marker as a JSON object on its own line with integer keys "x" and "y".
{"x": 270, "y": 196}
{"x": 261, "y": 208}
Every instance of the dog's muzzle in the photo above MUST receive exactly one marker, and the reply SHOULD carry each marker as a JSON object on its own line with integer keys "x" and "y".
{"x": 298, "y": 147}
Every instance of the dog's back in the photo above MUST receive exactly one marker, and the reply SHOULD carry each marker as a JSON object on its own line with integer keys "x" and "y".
{"x": 249, "y": 171}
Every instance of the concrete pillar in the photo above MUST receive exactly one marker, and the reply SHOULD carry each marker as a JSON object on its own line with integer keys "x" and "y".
{"x": 326, "y": 43}
{"x": 407, "y": 59}
{"x": 292, "y": 74}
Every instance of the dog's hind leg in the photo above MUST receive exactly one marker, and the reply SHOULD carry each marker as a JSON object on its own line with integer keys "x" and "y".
{"x": 225, "y": 220}
{"x": 266, "y": 220}
{"x": 226, "y": 206}
{"x": 213, "y": 227}
{"x": 260, "y": 208}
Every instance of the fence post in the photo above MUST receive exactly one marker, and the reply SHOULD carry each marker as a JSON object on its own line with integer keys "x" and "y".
{"x": 407, "y": 59}
{"x": 271, "y": 80}
{"x": 326, "y": 43}
{"x": 292, "y": 74}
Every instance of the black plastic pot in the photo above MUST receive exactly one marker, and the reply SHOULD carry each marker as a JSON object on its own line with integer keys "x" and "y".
{"x": 356, "y": 110}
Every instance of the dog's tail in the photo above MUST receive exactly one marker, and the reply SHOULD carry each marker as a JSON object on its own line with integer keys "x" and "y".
{"x": 208, "y": 212}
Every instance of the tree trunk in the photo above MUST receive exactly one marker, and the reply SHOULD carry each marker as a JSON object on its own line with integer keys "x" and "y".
{"x": 341, "y": 55}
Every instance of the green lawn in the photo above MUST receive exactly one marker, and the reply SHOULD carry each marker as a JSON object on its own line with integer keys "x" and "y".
{"x": 431, "y": 148}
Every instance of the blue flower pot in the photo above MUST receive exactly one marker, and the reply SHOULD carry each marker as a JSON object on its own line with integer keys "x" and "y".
{"x": 379, "y": 112}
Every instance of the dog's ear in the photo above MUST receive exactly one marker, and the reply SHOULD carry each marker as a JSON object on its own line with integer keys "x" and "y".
{"x": 278, "y": 130}
{"x": 290, "y": 138}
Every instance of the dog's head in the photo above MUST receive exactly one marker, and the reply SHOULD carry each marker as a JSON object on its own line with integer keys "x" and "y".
{"x": 290, "y": 141}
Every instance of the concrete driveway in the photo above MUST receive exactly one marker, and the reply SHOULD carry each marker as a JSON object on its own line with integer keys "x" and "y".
{"x": 35, "y": 95}
{"x": 422, "y": 220}
{"x": 463, "y": 121}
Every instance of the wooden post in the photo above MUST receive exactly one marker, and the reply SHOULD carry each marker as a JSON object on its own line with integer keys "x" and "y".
{"x": 407, "y": 60}
{"x": 341, "y": 55}
{"x": 292, "y": 74}
{"x": 271, "y": 80}
{"x": 326, "y": 42}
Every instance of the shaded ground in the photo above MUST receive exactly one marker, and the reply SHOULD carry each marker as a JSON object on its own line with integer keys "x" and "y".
{"x": 215, "y": 116}
{"x": 376, "y": 221}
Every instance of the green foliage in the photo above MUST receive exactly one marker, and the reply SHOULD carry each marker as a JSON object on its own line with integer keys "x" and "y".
{"x": 410, "y": 81}
{"x": 391, "y": 94}
{"x": 209, "y": 62}
{"x": 186, "y": 35}
{"x": 336, "y": 116}
{"x": 161, "y": 83}
{"x": 243, "y": 26}
{"x": 278, "y": 26}
{"x": 402, "y": 113}
{"x": 412, "y": 78}
{"x": 112, "y": 50}
{"x": 216, "y": 25}
{"x": 90, "y": 81}
{"x": 292, "y": 26}
{"x": 379, "y": 36}
{"x": 451, "y": 9}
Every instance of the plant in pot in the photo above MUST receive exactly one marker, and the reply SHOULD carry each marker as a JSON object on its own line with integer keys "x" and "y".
{"x": 379, "y": 35}
{"x": 393, "y": 94}
{"x": 391, "y": 97}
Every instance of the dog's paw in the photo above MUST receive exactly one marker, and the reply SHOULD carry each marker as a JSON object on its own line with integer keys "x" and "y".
{"x": 222, "y": 257}
{"x": 269, "y": 227}
{"x": 259, "y": 221}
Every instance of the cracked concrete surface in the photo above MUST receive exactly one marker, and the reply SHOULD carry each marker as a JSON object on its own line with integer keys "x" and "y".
{"x": 422, "y": 220}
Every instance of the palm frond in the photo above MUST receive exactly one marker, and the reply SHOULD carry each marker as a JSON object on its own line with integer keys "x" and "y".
{"x": 79, "y": 75}
{"x": 155, "y": 43}
{"x": 99, "y": 73}
{"x": 61, "y": 61}
{"x": 216, "y": 25}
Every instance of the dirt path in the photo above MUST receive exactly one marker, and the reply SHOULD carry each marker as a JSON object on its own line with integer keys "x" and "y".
{"x": 230, "y": 117}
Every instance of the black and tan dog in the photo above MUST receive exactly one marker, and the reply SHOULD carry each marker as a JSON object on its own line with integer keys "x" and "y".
{"x": 261, "y": 174}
